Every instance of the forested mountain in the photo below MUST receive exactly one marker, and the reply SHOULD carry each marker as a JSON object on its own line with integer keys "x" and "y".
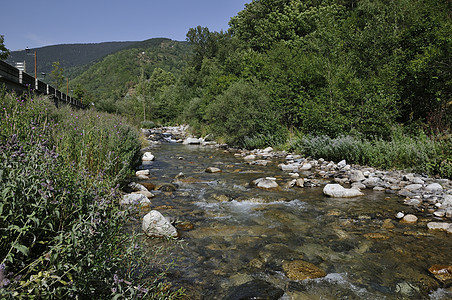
{"x": 68, "y": 55}
{"x": 116, "y": 73}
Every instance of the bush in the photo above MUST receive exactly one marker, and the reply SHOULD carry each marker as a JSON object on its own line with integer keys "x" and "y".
{"x": 244, "y": 115}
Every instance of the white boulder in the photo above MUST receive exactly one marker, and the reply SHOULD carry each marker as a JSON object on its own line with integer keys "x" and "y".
{"x": 148, "y": 156}
{"x": 434, "y": 187}
{"x": 338, "y": 191}
{"x": 156, "y": 225}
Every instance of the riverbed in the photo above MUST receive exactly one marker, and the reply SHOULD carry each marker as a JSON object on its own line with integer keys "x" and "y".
{"x": 235, "y": 238}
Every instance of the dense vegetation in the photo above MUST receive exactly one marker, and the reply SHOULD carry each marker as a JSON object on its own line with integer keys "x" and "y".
{"x": 375, "y": 71}
{"x": 61, "y": 227}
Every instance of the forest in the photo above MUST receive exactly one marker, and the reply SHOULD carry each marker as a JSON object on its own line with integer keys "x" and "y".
{"x": 370, "y": 72}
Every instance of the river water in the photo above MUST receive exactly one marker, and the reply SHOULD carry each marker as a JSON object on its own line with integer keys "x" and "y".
{"x": 233, "y": 236}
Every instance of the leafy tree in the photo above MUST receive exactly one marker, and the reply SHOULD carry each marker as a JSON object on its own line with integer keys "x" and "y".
{"x": 4, "y": 53}
{"x": 57, "y": 76}
{"x": 243, "y": 111}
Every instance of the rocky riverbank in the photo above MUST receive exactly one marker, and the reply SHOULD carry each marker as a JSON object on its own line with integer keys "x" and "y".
{"x": 430, "y": 197}
{"x": 240, "y": 200}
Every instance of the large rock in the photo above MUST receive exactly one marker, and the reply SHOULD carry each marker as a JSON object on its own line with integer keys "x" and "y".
{"x": 301, "y": 270}
{"x": 147, "y": 156}
{"x": 409, "y": 219}
{"x": 306, "y": 167}
{"x": 342, "y": 163}
{"x": 372, "y": 182}
{"x": 250, "y": 157}
{"x": 357, "y": 176}
{"x": 137, "y": 187}
{"x": 266, "y": 183}
{"x": 289, "y": 167}
{"x": 156, "y": 225}
{"x": 148, "y": 194}
{"x": 255, "y": 289}
{"x": 142, "y": 172}
{"x": 447, "y": 201}
{"x": 434, "y": 187}
{"x": 440, "y": 226}
{"x": 267, "y": 150}
{"x": 192, "y": 141}
{"x": 413, "y": 187}
{"x": 338, "y": 191}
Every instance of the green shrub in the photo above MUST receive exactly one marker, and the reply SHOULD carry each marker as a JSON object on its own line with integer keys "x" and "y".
{"x": 147, "y": 124}
{"x": 244, "y": 115}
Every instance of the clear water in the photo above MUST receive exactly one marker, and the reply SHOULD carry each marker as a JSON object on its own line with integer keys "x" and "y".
{"x": 242, "y": 233}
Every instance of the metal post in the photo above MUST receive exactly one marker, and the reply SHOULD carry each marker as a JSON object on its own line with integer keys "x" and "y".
{"x": 35, "y": 68}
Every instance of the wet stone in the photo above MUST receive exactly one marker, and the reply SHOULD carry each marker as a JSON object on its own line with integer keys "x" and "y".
{"x": 148, "y": 185}
{"x": 213, "y": 170}
{"x": 409, "y": 219}
{"x": 255, "y": 289}
{"x": 442, "y": 272}
{"x": 301, "y": 270}
{"x": 167, "y": 187}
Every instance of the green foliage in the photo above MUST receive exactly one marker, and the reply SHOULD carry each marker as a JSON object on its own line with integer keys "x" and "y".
{"x": 56, "y": 76}
{"x": 4, "y": 52}
{"x": 62, "y": 230}
{"x": 242, "y": 112}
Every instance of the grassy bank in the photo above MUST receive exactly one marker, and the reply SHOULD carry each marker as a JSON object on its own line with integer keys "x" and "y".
{"x": 61, "y": 228}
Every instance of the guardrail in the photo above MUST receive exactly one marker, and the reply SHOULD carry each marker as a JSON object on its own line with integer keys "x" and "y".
{"x": 20, "y": 82}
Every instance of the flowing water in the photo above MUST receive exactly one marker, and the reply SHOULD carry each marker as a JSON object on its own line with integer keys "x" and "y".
{"x": 232, "y": 234}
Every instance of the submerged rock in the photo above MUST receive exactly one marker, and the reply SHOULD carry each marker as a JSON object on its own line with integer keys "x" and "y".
{"x": 167, "y": 187}
{"x": 255, "y": 289}
{"x": 213, "y": 170}
{"x": 442, "y": 272}
{"x": 156, "y": 225}
{"x": 301, "y": 270}
{"x": 338, "y": 191}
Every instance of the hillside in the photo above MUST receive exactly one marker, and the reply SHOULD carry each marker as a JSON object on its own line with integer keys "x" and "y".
{"x": 69, "y": 55}
{"x": 120, "y": 70}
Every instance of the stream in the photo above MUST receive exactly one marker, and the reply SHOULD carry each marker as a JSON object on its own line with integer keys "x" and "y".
{"x": 236, "y": 239}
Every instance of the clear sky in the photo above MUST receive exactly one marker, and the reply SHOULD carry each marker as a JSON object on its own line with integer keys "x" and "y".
{"x": 38, "y": 23}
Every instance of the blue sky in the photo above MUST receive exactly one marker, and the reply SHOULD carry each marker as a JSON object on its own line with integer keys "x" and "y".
{"x": 41, "y": 23}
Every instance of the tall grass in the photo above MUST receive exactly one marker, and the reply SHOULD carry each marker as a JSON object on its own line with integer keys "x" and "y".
{"x": 61, "y": 228}
{"x": 414, "y": 153}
